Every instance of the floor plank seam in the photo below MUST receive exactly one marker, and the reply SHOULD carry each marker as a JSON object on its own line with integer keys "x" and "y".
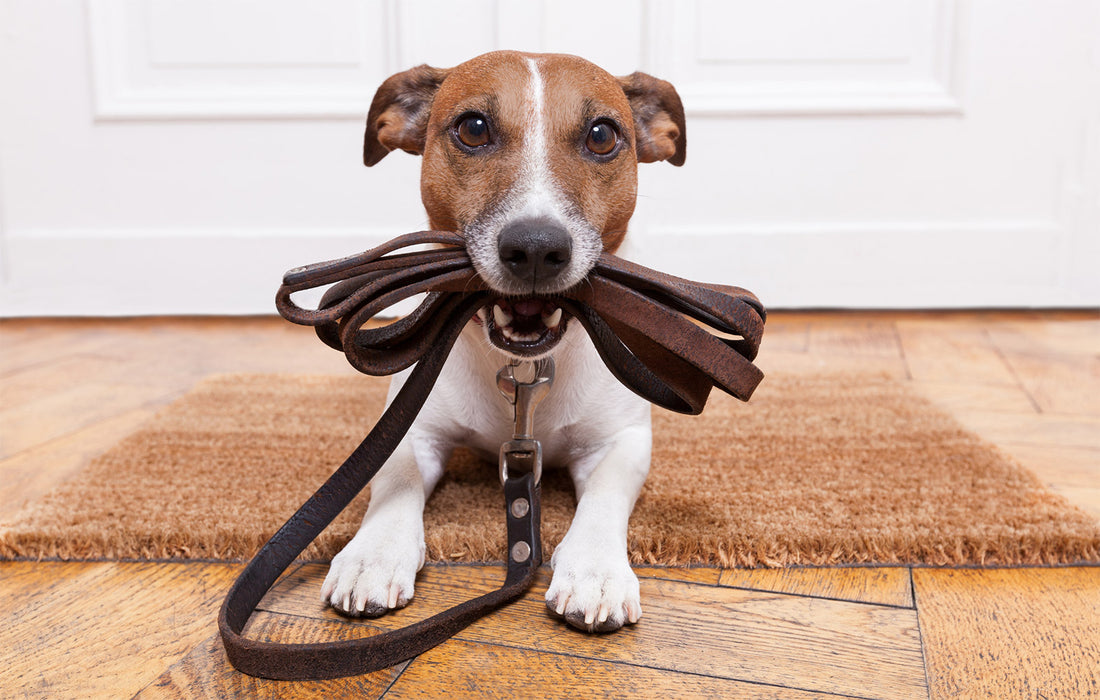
{"x": 1012, "y": 371}
{"x": 618, "y": 662}
{"x": 786, "y": 593}
{"x": 901, "y": 352}
{"x": 920, "y": 635}
{"x": 169, "y": 667}
{"x": 39, "y": 364}
{"x": 404, "y": 667}
{"x": 337, "y": 619}
{"x": 820, "y": 597}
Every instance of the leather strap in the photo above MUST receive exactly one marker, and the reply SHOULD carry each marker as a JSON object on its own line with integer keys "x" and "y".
{"x": 649, "y": 328}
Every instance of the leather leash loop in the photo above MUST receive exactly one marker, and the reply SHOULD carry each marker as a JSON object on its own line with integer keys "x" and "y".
{"x": 650, "y": 329}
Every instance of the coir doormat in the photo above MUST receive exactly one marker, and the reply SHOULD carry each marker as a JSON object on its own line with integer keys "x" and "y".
{"x": 829, "y": 470}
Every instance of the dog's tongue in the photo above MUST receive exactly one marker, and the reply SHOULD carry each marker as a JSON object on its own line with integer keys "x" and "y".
{"x": 528, "y": 307}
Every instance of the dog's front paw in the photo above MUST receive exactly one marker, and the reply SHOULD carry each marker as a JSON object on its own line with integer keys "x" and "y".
{"x": 591, "y": 591}
{"x": 373, "y": 574}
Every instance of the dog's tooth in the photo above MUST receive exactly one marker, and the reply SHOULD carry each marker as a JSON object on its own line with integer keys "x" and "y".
{"x": 553, "y": 319}
{"x": 501, "y": 317}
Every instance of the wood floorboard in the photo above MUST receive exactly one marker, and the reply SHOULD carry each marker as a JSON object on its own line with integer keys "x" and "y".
{"x": 785, "y": 336}
{"x": 101, "y": 629}
{"x": 1027, "y": 381}
{"x": 1015, "y": 633}
{"x": 29, "y": 352}
{"x": 1062, "y": 466}
{"x": 1059, "y": 380}
{"x": 700, "y": 574}
{"x": 807, "y": 363}
{"x": 23, "y": 387}
{"x": 475, "y": 671}
{"x": 973, "y": 359}
{"x": 1042, "y": 430}
{"x": 205, "y": 671}
{"x": 988, "y": 398}
{"x": 801, "y": 642}
{"x": 881, "y": 585}
{"x": 859, "y": 338}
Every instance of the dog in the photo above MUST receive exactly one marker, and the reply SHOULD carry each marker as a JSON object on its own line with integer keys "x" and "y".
{"x": 533, "y": 159}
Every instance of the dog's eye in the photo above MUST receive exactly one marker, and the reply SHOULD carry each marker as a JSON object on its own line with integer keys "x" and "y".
{"x": 472, "y": 130}
{"x": 602, "y": 138}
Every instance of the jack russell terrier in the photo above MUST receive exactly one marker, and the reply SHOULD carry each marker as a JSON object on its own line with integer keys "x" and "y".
{"x": 533, "y": 158}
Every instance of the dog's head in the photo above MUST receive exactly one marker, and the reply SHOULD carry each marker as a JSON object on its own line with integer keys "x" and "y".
{"x": 533, "y": 158}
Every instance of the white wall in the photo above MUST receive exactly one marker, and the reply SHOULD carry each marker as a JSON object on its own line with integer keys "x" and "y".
{"x": 175, "y": 156}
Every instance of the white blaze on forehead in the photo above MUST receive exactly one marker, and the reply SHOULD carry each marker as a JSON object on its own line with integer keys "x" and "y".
{"x": 536, "y": 92}
{"x": 539, "y": 197}
{"x": 534, "y": 193}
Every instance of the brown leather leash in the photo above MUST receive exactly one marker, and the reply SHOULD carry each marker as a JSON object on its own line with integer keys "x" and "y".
{"x": 650, "y": 329}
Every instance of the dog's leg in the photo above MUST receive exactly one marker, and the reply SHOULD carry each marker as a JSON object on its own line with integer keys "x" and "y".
{"x": 376, "y": 570}
{"x": 593, "y": 586}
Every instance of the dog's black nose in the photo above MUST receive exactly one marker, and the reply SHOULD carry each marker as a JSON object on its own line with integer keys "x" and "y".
{"x": 535, "y": 250}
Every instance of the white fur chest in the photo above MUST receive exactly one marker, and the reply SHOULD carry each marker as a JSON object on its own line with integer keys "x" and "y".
{"x": 585, "y": 407}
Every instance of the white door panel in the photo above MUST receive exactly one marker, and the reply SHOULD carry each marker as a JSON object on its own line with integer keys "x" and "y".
{"x": 848, "y": 153}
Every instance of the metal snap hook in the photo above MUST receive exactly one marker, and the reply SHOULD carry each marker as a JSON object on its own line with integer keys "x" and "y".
{"x": 523, "y": 452}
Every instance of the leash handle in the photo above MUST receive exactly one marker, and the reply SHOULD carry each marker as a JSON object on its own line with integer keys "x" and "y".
{"x": 319, "y": 661}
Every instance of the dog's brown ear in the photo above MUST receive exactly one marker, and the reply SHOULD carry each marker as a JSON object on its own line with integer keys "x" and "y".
{"x": 658, "y": 118}
{"x": 398, "y": 115}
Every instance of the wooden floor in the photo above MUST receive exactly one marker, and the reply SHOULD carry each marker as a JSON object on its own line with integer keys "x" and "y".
{"x": 1027, "y": 381}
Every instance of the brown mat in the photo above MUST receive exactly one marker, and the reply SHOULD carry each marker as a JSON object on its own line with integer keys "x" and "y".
{"x": 821, "y": 471}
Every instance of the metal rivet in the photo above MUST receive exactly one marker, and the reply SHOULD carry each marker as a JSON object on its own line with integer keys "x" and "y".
{"x": 520, "y": 507}
{"x": 521, "y": 551}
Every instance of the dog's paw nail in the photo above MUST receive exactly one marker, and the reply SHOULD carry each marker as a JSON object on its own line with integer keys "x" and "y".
{"x": 605, "y": 612}
{"x": 395, "y": 600}
{"x": 557, "y": 605}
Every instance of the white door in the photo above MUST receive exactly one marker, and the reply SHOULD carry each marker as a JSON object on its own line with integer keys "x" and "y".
{"x": 175, "y": 156}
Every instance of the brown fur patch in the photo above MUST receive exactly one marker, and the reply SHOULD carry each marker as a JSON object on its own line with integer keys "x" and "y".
{"x": 417, "y": 110}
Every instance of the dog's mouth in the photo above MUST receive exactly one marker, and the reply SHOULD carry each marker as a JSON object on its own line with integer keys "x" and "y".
{"x": 525, "y": 327}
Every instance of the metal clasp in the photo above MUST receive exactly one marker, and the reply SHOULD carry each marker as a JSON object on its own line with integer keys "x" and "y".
{"x": 523, "y": 453}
